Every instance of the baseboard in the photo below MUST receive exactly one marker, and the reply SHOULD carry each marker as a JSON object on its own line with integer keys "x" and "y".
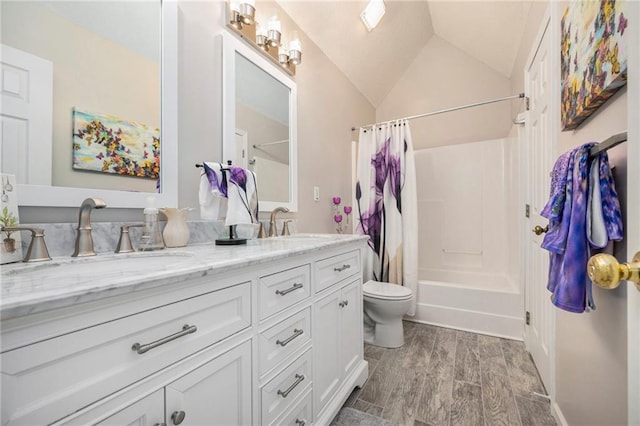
{"x": 355, "y": 379}
{"x": 556, "y": 412}
{"x": 462, "y": 319}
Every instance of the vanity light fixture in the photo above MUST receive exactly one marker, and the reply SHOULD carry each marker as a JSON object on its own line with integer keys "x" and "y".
{"x": 274, "y": 34}
{"x": 266, "y": 38}
{"x": 295, "y": 50}
{"x": 373, "y": 13}
{"x": 261, "y": 37}
{"x": 242, "y": 13}
{"x": 283, "y": 55}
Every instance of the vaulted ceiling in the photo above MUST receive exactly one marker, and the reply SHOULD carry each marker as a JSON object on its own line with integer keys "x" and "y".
{"x": 489, "y": 31}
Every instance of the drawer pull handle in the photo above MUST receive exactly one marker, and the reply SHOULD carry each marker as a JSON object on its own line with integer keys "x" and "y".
{"x": 178, "y": 417}
{"x": 289, "y": 290}
{"x": 186, "y": 329}
{"x": 285, "y": 342}
{"x": 342, "y": 268}
{"x": 343, "y": 303}
{"x": 300, "y": 422}
{"x": 299, "y": 379}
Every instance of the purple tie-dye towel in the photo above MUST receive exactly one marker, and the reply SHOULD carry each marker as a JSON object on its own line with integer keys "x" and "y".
{"x": 567, "y": 240}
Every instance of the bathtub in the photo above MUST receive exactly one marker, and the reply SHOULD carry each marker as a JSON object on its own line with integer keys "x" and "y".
{"x": 483, "y": 303}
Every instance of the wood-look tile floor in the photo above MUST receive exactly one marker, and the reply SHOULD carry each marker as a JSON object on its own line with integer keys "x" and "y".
{"x": 445, "y": 377}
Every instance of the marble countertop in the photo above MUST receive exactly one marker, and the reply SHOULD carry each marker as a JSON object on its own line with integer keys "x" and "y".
{"x": 28, "y": 288}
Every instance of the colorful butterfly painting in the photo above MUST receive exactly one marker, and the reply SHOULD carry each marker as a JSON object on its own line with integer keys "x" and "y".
{"x": 108, "y": 144}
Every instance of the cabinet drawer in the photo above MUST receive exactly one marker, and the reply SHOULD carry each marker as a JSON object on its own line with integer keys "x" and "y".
{"x": 281, "y": 340}
{"x": 300, "y": 414}
{"x": 283, "y": 289}
{"x": 333, "y": 269}
{"x": 50, "y": 379}
{"x": 281, "y": 392}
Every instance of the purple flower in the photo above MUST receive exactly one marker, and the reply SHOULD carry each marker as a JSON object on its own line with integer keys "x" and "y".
{"x": 238, "y": 176}
{"x": 347, "y": 209}
{"x": 221, "y": 187}
{"x": 337, "y": 218}
{"x": 336, "y": 200}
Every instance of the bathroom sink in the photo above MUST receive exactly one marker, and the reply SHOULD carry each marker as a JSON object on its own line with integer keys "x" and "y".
{"x": 121, "y": 264}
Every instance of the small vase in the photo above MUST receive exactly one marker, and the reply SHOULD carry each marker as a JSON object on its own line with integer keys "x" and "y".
{"x": 176, "y": 232}
{"x": 10, "y": 245}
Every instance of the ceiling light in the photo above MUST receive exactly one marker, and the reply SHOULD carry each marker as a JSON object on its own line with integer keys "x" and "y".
{"x": 373, "y": 13}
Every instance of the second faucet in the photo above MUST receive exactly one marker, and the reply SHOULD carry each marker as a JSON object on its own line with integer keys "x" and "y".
{"x": 273, "y": 231}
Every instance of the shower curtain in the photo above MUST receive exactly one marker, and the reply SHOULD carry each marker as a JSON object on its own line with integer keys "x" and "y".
{"x": 386, "y": 204}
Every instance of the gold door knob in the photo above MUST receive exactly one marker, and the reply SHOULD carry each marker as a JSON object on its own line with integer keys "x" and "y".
{"x": 539, "y": 230}
{"x": 607, "y": 272}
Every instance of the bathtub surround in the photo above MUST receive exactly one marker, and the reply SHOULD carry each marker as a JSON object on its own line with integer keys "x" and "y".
{"x": 386, "y": 203}
{"x": 463, "y": 268}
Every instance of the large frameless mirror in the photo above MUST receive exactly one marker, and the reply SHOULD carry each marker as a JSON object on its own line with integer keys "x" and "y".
{"x": 89, "y": 95}
{"x": 260, "y": 123}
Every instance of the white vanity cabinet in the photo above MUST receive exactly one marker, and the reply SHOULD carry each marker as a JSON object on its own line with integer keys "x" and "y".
{"x": 271, "y": 339}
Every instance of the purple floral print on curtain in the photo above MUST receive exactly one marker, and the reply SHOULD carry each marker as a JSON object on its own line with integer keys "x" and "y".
{"x": 386, "y": 205}
{"x": 388, "y": 178}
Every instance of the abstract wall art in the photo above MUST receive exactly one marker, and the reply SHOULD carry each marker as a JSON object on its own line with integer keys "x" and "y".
{"x": 593, "y": 57}
{"x": 108, "y": 144}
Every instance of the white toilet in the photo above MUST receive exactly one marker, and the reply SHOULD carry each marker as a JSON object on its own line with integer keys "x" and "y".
{"x": 384, "y": 306}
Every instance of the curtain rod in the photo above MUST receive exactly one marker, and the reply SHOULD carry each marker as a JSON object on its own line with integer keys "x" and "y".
{"x": 270, "y": 143}
{"x": 608, "y": 143}
{"x": 411, "y": 117}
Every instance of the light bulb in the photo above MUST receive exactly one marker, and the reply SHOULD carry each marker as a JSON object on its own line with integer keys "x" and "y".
{"x": 274, "y": 24}
{"x": 295, "y": 43}
{"x": 234, "y": 6}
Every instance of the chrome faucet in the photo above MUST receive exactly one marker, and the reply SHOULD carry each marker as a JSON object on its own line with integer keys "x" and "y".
{"x": 273, "y": 232}
{"x": 84, "y": 240}
{"x": 37, "y": 251}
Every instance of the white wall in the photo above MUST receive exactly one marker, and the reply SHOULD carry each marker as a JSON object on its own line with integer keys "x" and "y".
{"x": 443, "y": 76}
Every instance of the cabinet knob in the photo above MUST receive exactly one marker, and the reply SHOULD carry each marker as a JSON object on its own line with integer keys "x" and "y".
{"x": 539, "y": 230}
{"x": 300, "y": 422}
{"x": 159, "y": 424}
{"x": 178, "y": 417}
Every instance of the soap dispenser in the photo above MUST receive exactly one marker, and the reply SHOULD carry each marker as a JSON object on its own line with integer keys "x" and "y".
{"x": 151, "y": 238}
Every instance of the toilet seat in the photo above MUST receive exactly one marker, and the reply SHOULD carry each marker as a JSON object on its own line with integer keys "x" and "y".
{"x": 386, "y": 291}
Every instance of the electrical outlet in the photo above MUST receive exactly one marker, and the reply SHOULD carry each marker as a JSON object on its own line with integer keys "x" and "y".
{"x": 316, "y": 193}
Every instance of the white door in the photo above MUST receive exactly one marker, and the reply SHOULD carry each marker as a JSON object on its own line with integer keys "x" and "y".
{"x": 26, "y": 116}
{"x": 219, "y": 392}
{"x": 539, "y": 333}
{"x": 633, "y": 215}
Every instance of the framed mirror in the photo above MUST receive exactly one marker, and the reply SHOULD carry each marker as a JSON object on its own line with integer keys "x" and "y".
{"x": 259, "y": 122}
{"x": 89, "y": 101}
